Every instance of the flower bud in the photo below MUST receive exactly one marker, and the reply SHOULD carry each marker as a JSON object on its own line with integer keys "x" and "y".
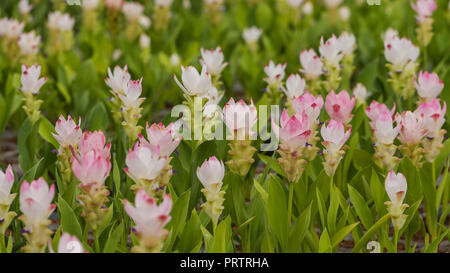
{"x": 339, "y": 107}
{"x": 428, "y": 85}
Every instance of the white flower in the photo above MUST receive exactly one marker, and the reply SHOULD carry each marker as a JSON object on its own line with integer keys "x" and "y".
{"x": 68, "y": 244}
{"x": 31, "y": 83}
{"x": 163, "y": 3}
{"x": 114, "y": 4}
{"x": 389, "y": 35}
{"x": 145, "y": 22}
{"x": 144, "y": 41}
{"x": 24, "y": 7}
{"x": 194, "y": 83}
{"x": 132, "y": 10}
{"x": 294, "y": 3}
{"x": 331, "y": 4}
{"x": 238, "y": 116}
{"x": 118, "y": 79}
{"x": 347, "y": 43}
{"x": 275, "y": 73}
{"x": 344, "y": 13}
{"x": 252, "y": 35}
{"x": 68, "y": 133}
{"x": 90, "y": 4}
{"x": 211, "y": 174}
{"x": 143, "y": 164}
{"x": 396, "y": 187}
{"x": 29, "y": 43}
{"x": 331, "y": 50}
{"x": 132, "y": 90}
{"x": 295, "y": 86}
{"x": 213, "y": 60}
{"x": 360, "y": 92}
{"x": 11, "y": 28}
{"x": 175, "y": 60}
{"x": 400, "y": 52}
{"x": 311, "y": 63}
{"x": 308, "y": 8}
{"x": 60, "y": 21}
{"x": 6, "y": 183}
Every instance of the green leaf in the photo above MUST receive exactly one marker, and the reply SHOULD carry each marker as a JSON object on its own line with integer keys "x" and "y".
{"x": 178, "y": 217}
{"x": 45, "y": 130}
{"x": 325, "y": 243}
{"x": 361, "y": 207}
{"x": 342, "y": 233}
{"x": 360, "y": 243}
{"x": 113, "y": 239}
{"x": 222, "y": 237}
{"x": 69, "y": 221}
{"x": 277, "y": 212}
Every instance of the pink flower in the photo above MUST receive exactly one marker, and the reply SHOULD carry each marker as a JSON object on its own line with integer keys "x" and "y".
{"x": 118, "y": 79}
{"x": 194, "y": 83}
{"x": 347, "y": 43}
{"x": 275, "y": 73}
{"x": 6, "y": 183}
{"x": 68, "y": 133}
{"x": 383, "y": 128}
{"x": 213, "y": 60}
{"x": 31, "y": 83}
{"x": 376, "y": 110}
{"x": 294, "y": 131}
{"x": 91, "y": 169}
{"x": 311, "y": 63}
{"x": 35, "y": 201}
{"x": 150, "y": 218}
{"x": 412, "y": 127}
{"x": 331, "y": 50}
{"x": 334, "y": 136}
{"x": 67, "y": 244}
{"x": 239, "y": 116}
{"x": 132, "y": 91}
{"x": 400, "y": 52}
{"x": 310, "y": 105}
{"x": 428, "y": 85}
{"x": 396, "y": 186}
{"x": 60, "y": 21}
{"x": 295, "y": 86}
{"x": 132, "y": 10}
{"x": 424, "y": 8}
{"x": 114, "y": 4}
{"x": 161, "y": 138}
{"x": 433, "y": 115}
{"x": 29, "y": 43}
{"x": 211, "y": 174}
{"x": 143, "y": 164}
{"x": 94, "y": 141}
{"x": 339, "y": 107}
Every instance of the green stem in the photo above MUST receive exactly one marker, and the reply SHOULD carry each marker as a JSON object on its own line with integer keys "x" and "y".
{"x": 395, "y": 240}
{"x": 291, "y": 195}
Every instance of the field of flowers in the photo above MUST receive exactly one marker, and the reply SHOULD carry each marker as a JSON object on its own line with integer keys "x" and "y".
{"x": 224, "y": 126}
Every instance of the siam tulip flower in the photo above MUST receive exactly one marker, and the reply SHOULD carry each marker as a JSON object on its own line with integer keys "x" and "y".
{"x": 114, "y": 4}
{"x": 6, "y": 198}
{"x": 132, "y": 10}
{"x": 344, "y": 13}
{"x": 67, "y": 244}
{"x": 162, "y": 138}
{"x": 396, "y": 189}
{"x": 411, "y": 134}
{"x": 424, "y": 8}
{"x": 308, "y": 8}
{"x": 90, "y": 4}
{"x": 31, "y": 84}
{"x": 211, "y": 174}
{"x": 331, "y": 56}
{"x": 251, "y": 37}
{"x": 91, "y": 169}
{"x": 334, "y": 137}
{"x": 29, "y": 43}
{"x": 61, "y": 34}
{"x": 194, "y": 83}
{"x": 293, "y": 135}
{"x": 360, "y": 93}
{"x": 383, "y": 129}
{"x": 311, "y": 63}
{"x": 60, "y": 21}
{"x": 12, "y": 28}
{"x": 428, "y": 85}
{"x": 339, "y": 106}
{"x": 163, "y": 3}
{"x": 332, "y": 4}
{"x": 347, "y": 43}
{"x": 434, "y": 119}
{"x": 376, "y": 109}
{"x": 389, "y": 35}
{"x": 150, "y": 220}
{"x": 294, "y": 3}
{"x": 275, "y": 76}
{"x": 131, "y": 108}
{"x": 24, "y": 7}
{"x": 95, "y": 141}
{"x": 213, "y": 60}
{"x": 240, "y": 118}
{"x": 400, "y": 52}
{"x": 145, "y": 22}
{"x": 175, "y": 60}
{"x": 118, "y": 79}
{"x": 144, "y": 167}
{"x": 144, "y": 41}
{"x": 295, "y": 86}
{"x": 36, "y": 204}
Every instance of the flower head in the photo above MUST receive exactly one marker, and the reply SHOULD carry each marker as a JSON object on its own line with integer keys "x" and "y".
{"x": 161, "y": 138}
{"x": 91, "y": 169}
{"x": 396, "y": 186}
{"x": 60, "y": 21}
{"x": 114, "y": 4}
{"x": 275, "y": 73}
{"x": 334, "y": 135}
{"x": 347, "y": 43}
{"x": 68, "y": 244}
{"x": 360, "y": 93}
{"x": 68, "y": 133}
{"x": 331, "y": 50}
{"x": 310, "y": 105}
{"x": 24, "y": 7}
{"x": 384, "y": 130}
{"x": 239, "y": 116}
{"x": 295, "y": 86}
{"x": 211, "y": 174}
{"x": 339, "y": 106}
{"x": 294, "y": 3}
{"x": 428, "y": 85}
{"x": 400, "y": 52}
{"x": 11, "y": 28}
{"x": 35, "y": 201}
{"x": 94, "y": 141}
{"x": 251, "y": 35}
{"x": 194, "y": 83}
{"x": 132, "y": 10}
{"x": 118, "y": 78}
{"x": 29, "y": 43}
{"x": 376, "y": 110}
{"x": 213, "y": 60}
{"x": 433, "y": 115}
{"x": 294, "y": 132}
{"x": 6, "y": 183}
{"x": 412, "y": 127}
{"x": 132, "y": 91}
{"x": 31, "y": 83}
{"x": 311, "y": 63}
{"x": 424, "y": 8}
{"x": 143, "y": 164}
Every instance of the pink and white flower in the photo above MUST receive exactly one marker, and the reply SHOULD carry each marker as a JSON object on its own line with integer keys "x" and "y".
{"x": 118, "y": 78}
{"x": 294, "y": 3}
{"x": 424, "y": 8}
{"x": 36, "y": 202}
{"x": 143, "y": 164}
{"x": 114, "y": 4}
{"x": 428, "y": 85}
{"x": 251, "y": 35}
{"x": 331, "y": 51}
{"x": 295, "y": 86}
{"x": 132, "y": 90}
{"x": 339, "y": 107}
{"x": 433, "y": 115}
{"x": 310, "y": 105}
{"x": 347, "y": 43}
{"x": 334, "y": 136}
{"x": 163, "y": 3}
{"x": 240, "y": 117}
{"x": 194, "y": 83}
{"x": 376, "y": 109}
{"x": 412, "y": 127}
{"x": 213, "y": 60}
{"x": 67, "y": 244}
{"x": 132, "y": 10}
{"x": 332, "y": 4}
{"x": 275, "y": 73}
{"x": 149, "y": 217}
{"x": 360, "y": 93}
{"x": 396, "y": 186}
{"x": 294, "y": 132}
{"x": 389, "y": 35}
{"x": 91, "y": 169}
{"x": 161, "y": 138}
{"x": 6, "y": 183}
{"x": 211, "y": 174}
{"x": 384, "y": 130}
{"x": 29, "y": 43}
{"x": 60, "y": 21}
{"x": 24, "y": 7}
{"x": 11, "y": 28}
{"x": 311, "y": 63}
{"x": 31, "y": 83}
{"x": 94, "y": 141}
{"x": 90, "y": 4}
{"x": 68, "y": 133}
{"x": 400, "y": 52}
